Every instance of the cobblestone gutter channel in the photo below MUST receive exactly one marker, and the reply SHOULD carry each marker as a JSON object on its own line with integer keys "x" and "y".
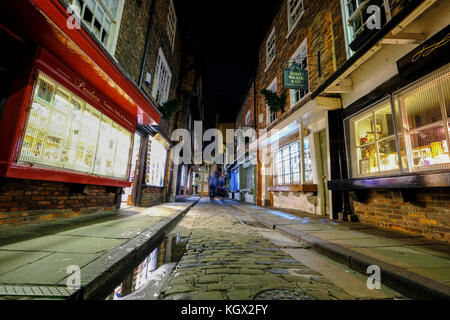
{"x": 228, "y": 260}
{"x": 103, "y": 275}
{"x": 99, "y": 276}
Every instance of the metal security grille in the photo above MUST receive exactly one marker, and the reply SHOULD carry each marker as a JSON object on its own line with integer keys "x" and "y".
{"x": 65, "y": 132}
{"x": 407, "y": 132}
{"x": 424, "y": 124}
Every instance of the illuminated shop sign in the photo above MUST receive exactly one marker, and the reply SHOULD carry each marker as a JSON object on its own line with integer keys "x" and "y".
{"x": 64, "y": 131}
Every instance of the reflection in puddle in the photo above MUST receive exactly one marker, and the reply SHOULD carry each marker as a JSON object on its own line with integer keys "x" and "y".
{"x": 170, "y": 250}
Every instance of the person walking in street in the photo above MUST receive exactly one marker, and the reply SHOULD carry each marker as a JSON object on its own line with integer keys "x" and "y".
{"x": 213, "y": 180}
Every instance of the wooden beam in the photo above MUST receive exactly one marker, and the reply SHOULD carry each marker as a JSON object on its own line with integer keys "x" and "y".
{"x": 404, "y": 38}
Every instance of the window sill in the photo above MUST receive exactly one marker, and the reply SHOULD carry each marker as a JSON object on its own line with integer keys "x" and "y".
{"x": 408, "y": 181}
{"x": 305, "y": 188}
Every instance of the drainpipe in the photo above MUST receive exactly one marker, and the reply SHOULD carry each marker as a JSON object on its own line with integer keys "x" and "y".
{"x": 147, "y": 43}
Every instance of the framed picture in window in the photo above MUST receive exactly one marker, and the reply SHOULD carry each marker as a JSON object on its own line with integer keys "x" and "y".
{"x": 364, "y": 166}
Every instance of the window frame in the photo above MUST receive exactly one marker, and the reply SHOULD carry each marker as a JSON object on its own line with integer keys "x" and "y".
{"x": 401, "y": 134}
{"x": 292, "y": 25}
{"x": 161, "y": 65}
{"x": 270, "y": 51}
{"x": 283, "y": 160}
{"x": 115, "y": 21}
{"x": 151, "y": 141}
{"x": 269, "y": 114}
{"x": 171, "y": 26}
{"x": 292, "y": 92}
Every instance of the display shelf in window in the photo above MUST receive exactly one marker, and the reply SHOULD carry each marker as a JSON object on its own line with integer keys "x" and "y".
{"x": 64, "y": 132}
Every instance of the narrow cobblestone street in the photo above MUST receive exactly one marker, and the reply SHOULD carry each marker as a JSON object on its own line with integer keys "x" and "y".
{"x": 228, "y": 258}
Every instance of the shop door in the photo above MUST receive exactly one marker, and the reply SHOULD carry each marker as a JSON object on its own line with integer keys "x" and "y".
{"x": 129, "y": 194}
{"x": 322, "y": 165}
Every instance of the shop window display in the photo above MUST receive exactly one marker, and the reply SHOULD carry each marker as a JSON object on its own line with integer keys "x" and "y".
{"x": 416, "y": 128}
{"x": 65, "y": 132}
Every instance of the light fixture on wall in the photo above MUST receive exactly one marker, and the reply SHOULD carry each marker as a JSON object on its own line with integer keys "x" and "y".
{"x": 148, "y": 79}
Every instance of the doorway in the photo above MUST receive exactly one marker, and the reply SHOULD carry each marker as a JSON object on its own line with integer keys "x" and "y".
{"x": 129, "y": 194}
{"x": 322, "y": 168}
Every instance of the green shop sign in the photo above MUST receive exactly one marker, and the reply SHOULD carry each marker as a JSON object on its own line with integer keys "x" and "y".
{"x": 296, "y": 78}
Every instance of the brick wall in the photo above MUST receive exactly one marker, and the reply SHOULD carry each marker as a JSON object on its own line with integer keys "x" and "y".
{"x": 322, "y": 26}
{"x": 25, "y": 201}
{"x": 428, "y": 215}
{"x": 248, "y": 105}
{"x": 152, "y": 196}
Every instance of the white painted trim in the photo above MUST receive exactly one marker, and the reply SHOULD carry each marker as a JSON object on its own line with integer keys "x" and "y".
{"x": 272, "y": 34}
{"x": 119, "y": 14}
{"x": 268, "y": 112}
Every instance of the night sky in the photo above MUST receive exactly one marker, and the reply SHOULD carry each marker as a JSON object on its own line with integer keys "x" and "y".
{"x": 229, "y": 34}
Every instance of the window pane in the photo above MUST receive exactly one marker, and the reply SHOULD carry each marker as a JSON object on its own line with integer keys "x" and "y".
{"x": 384, "y": 122}
{"x": 364, "y": 131}
{"x": 388, "y": 155}
{"x": 429, "y": 147}
{"x": 422, "y": 106}
{"x": 367, "y": 159}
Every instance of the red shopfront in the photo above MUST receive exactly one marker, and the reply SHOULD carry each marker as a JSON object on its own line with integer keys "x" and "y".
{"x": 66, "y": 130}
{"x": 69, "y": 119}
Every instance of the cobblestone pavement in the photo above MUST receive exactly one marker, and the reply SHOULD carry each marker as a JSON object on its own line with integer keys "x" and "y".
{"x": 230, "y": 260}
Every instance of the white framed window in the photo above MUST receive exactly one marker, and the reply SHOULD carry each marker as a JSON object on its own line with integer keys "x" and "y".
{"x": 307, "y": 165}
{"x": 156, "y": 163}
{"x": 271, "y": 116}
{"x": 102, "y": 18}
{"x": 286, "y": 164}
{"x": 295, "y": 11}
{"x": 300, "y": 57}
{"x": 247, "y": 118}
{"x": 171, "y": 26}
{"x": 270, "y": 49}
{"x": 355, "y": 16}
{"x": 162, "y": 79}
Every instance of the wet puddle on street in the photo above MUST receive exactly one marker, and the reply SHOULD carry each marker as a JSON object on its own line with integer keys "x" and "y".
{"x": 170, "y": 250}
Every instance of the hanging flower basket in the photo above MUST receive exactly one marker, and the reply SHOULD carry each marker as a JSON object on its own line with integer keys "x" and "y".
{"x": 275, "y": 102}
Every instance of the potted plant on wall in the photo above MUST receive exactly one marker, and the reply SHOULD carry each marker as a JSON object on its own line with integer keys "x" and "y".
{"x": 275, "y": 102}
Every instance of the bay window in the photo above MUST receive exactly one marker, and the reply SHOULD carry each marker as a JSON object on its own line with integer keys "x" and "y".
{"x": 63, "y": 131}
{"x": 287, "y": 165}
{"x": 409, "y": 134}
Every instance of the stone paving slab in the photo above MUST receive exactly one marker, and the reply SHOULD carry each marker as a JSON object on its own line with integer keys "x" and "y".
{"x": 68, "y": 244}
{"x": 400, "y": 254}
{"x": 102, "y": 245}
{"x": 47, "y": 271}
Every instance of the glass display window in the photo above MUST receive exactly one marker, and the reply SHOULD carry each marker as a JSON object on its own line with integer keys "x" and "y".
{"x": 415, "y": 127}
{"x": 424, "y": 114}
{"x": 65, "y": 132}
{"x": 156, "y": 164}
{"x": 307, "y": 160}
{"x": 374, "y": 143}
{"x": 287, "y": 165}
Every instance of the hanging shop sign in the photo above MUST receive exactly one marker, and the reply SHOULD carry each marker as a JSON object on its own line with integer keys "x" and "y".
{"x": 295, "y": 78}
{"x": 432, "y": 54}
